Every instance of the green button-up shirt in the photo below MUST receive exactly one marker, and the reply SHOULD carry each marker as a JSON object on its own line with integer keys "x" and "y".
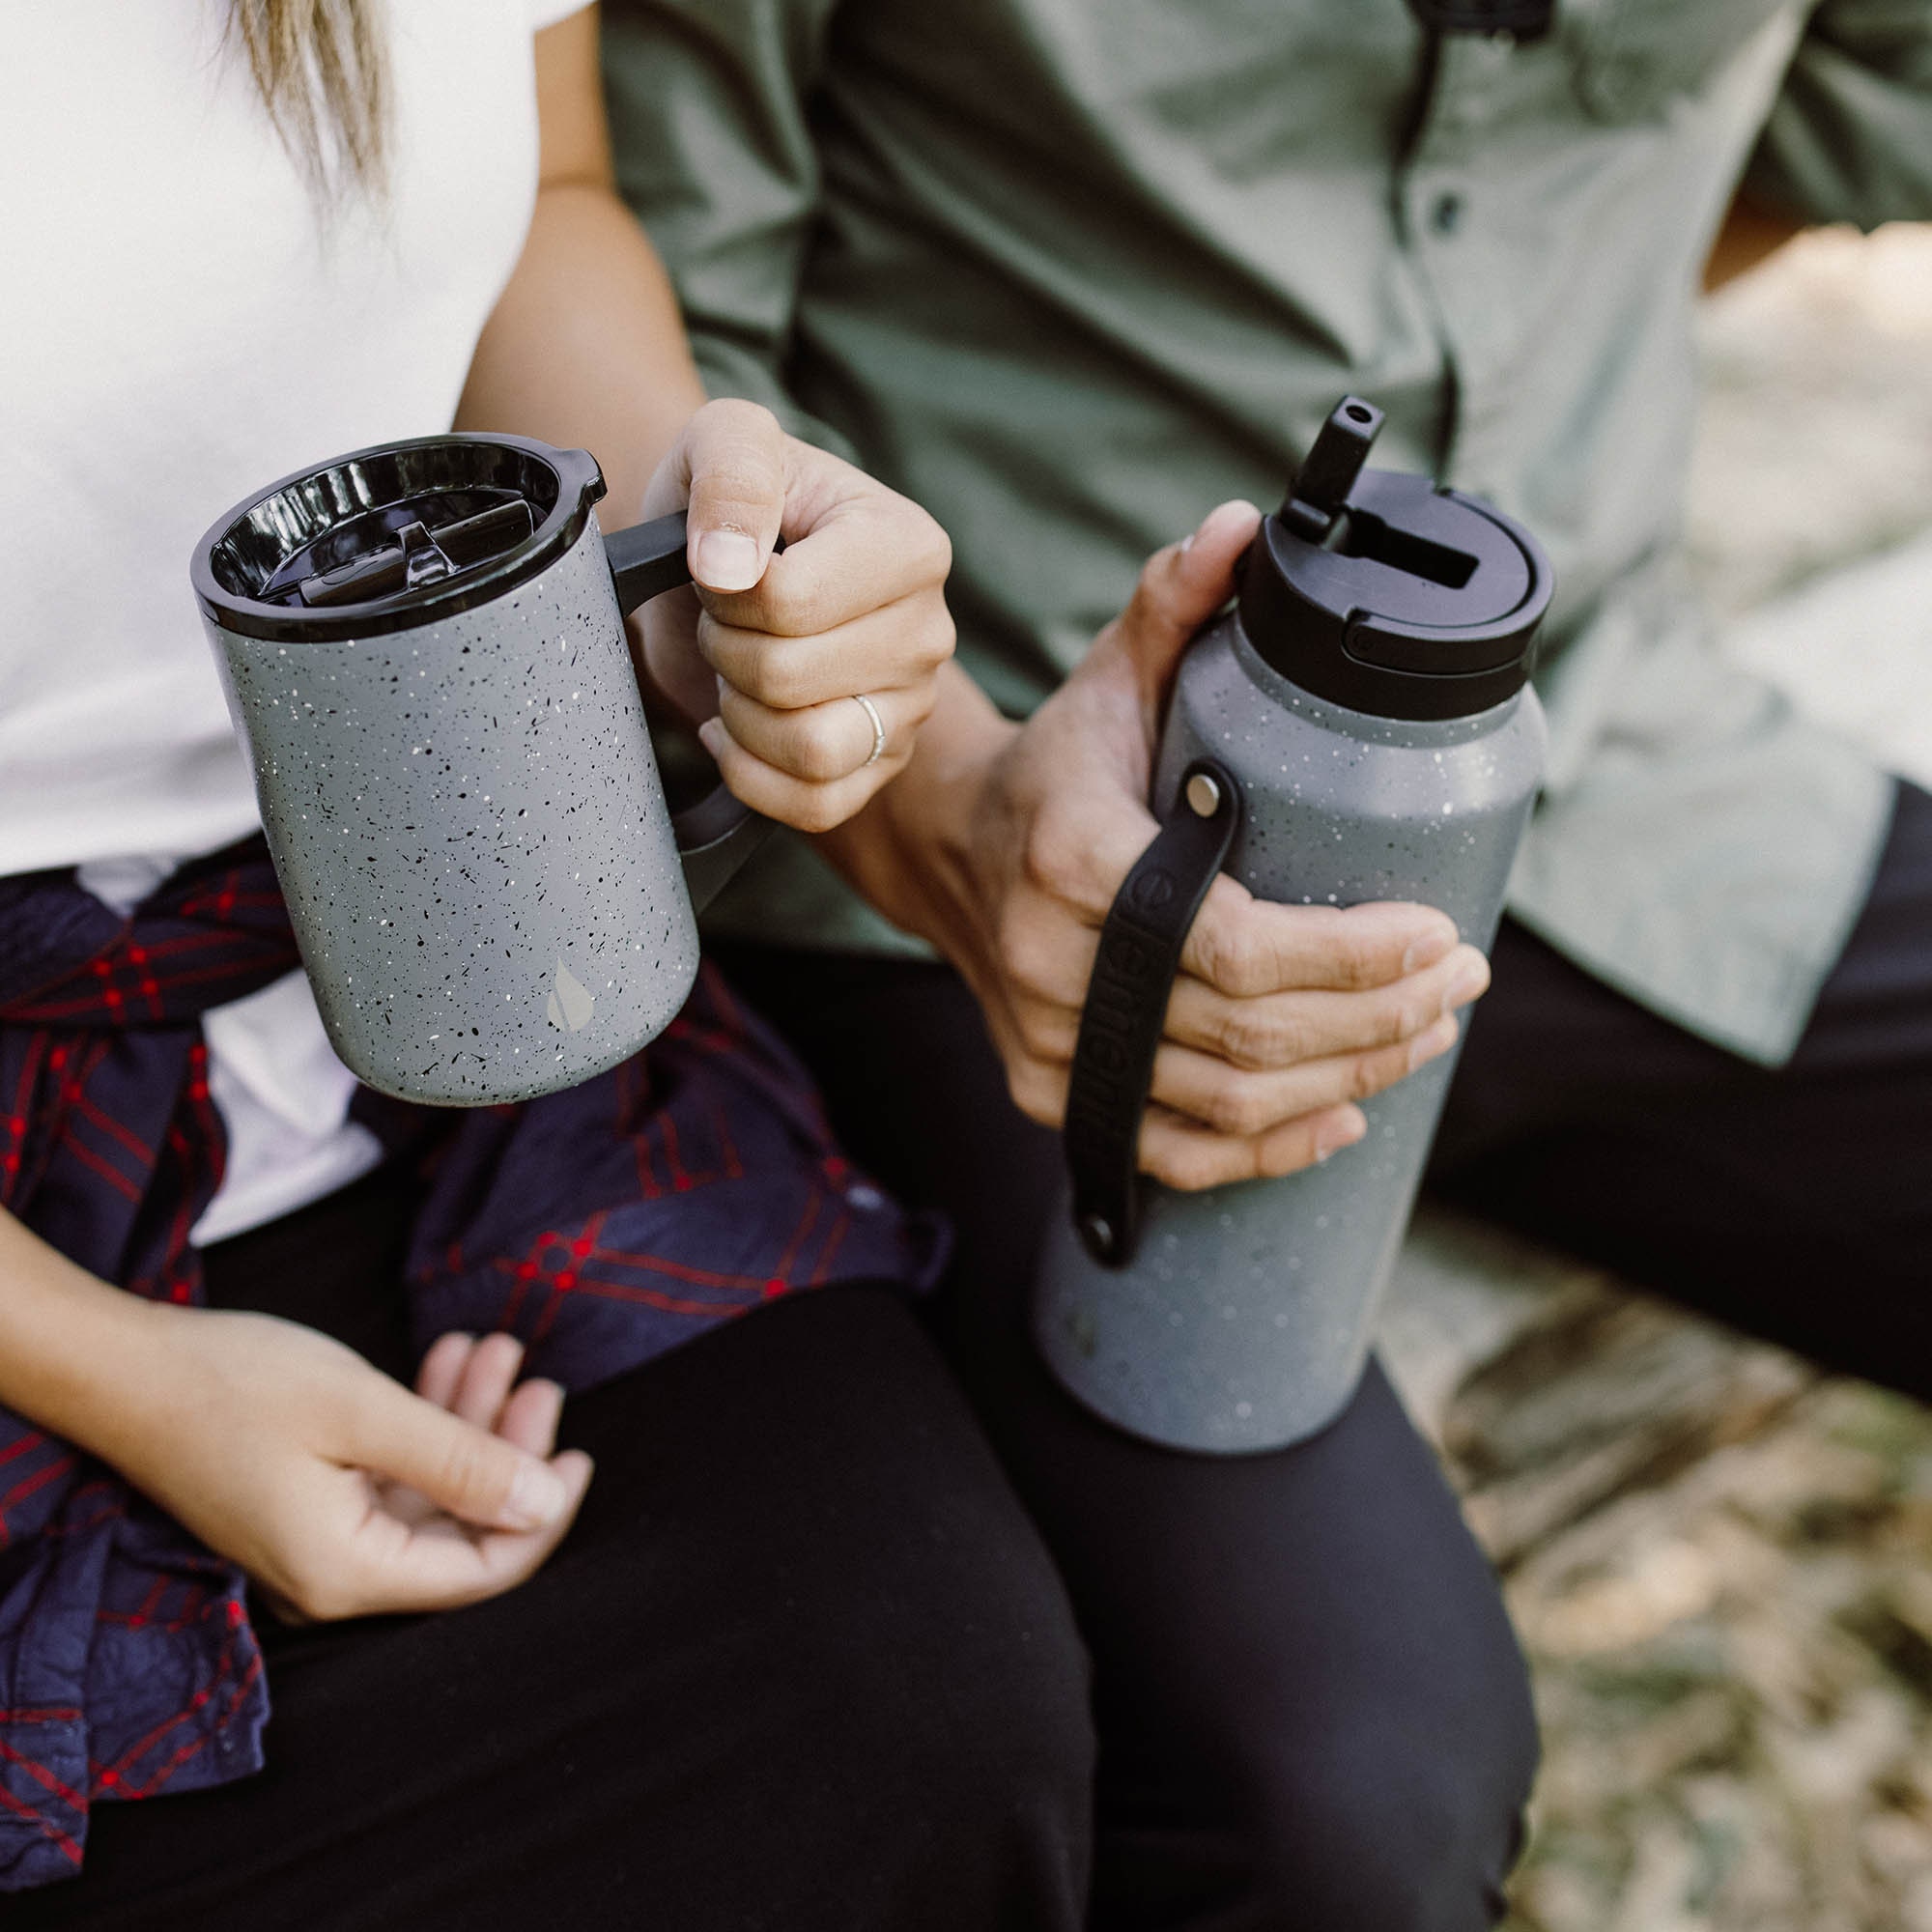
{"x": 1071, "y": 272}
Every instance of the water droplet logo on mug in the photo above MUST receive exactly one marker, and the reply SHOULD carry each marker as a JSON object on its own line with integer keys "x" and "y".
{"x": 569, "y": 1006}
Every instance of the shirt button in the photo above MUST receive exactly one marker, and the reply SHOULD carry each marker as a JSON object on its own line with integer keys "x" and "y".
{"x": 1445, "y": 216}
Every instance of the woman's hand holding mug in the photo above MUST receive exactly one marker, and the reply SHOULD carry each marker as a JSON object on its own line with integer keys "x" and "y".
{"x": 809, "y": 673}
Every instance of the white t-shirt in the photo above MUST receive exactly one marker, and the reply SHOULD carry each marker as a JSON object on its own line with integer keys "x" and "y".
{"x": 178, "y": 327}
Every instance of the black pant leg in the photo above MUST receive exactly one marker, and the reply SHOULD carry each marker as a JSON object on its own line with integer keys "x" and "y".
{"x": 802, "y": 1666}
{"x": 1313, "y": 1714}
{"x": 1796, "y": 1203}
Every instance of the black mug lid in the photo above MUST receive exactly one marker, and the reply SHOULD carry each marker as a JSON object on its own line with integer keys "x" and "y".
{"x": 393, "y": 536}
{"x": 1384, "y": 592}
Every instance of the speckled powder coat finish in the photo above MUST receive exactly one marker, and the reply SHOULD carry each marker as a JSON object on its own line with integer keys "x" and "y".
{"x": 1243, "y": 1321}
{"x": 470, "y": 829}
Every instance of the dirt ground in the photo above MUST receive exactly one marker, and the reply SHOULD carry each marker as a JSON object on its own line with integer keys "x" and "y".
{"x": 1719, "y": 1561}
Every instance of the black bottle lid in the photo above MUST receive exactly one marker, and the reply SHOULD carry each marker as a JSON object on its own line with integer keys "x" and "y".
{"x": 390, "y": 537}
{"x": 1382, "y": 591}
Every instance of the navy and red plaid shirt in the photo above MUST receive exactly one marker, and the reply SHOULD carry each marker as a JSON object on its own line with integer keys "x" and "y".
{"x": 603, "y": 1224}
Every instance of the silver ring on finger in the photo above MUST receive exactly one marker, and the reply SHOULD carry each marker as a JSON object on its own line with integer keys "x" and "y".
{"x": 878, "y": 727}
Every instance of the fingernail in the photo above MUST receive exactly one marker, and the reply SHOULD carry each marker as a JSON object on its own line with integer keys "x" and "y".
{"x": 537, "y": 1496}
{"x": 1339, "y": 1134}
{"x": 1469, "y": 979}
{"x": 726, "y": 560}
{"x": 1433, "y": 1044}
{"x": 1428, "y": 950}
{"x": 552, "y": 1390}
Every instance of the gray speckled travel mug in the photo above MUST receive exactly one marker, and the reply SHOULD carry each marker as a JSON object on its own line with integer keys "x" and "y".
{"x": 423, "y": 649}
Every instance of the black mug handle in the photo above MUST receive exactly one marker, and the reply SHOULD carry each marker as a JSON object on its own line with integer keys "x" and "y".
{"x": 717, "y": 833}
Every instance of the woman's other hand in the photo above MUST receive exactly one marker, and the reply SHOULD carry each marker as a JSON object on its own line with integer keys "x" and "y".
{"x": 339, "y": 1492}
{"x": 768, "y": 653}
{"x": 1006, "y": 845}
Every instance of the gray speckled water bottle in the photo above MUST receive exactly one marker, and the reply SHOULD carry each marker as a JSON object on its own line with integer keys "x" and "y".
{"x": 423, "y": 649}
{"x": 1360, "y": 728}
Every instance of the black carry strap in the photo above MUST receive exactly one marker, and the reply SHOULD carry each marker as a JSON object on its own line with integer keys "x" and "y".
{"x": 719, "y": 834}
{"x": 1127, "y": 1007}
